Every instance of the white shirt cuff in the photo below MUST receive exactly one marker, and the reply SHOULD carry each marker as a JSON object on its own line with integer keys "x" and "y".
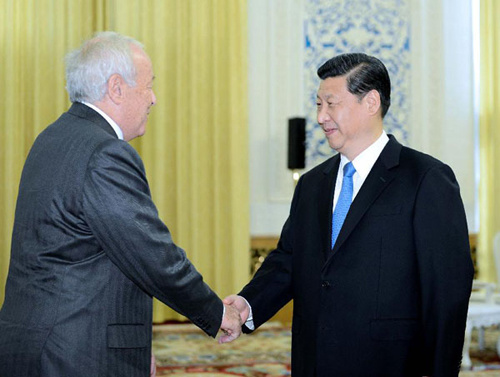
{"x": 249, "y": 322}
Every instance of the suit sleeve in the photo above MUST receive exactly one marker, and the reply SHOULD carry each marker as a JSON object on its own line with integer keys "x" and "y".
{"x": 123, "y": 218}
{"x": 271, "y": 287}
{"x": 445, "y": 269}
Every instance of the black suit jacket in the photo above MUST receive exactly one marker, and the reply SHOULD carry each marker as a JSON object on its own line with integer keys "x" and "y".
{"x": 391, "y": 298}
{"x": 88, "y": 254}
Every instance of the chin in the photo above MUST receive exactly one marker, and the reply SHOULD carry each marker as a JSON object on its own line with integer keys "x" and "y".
{"x": 333, "y": 145}
{"x": 141, "y": 131}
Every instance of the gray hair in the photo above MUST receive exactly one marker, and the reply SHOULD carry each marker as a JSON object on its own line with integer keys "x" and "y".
{"x": 89, "y": 67}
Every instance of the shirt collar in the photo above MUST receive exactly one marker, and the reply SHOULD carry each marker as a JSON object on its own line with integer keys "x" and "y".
{"x": 111, "y": 122}
{"x": 364, "y": 162}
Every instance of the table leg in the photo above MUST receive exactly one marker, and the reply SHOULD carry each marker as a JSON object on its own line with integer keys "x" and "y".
{"x": 480, "y": 332}
{"x": 498, "y": 346}
{"x": 466, "y": 362}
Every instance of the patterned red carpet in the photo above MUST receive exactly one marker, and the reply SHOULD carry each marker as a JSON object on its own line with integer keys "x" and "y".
{"x": 182, "y": 350}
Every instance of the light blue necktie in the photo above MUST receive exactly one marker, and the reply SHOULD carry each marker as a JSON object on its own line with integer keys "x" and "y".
{"x": 343, "y": 202}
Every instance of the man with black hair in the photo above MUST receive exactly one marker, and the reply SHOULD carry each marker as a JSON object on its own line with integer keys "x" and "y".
{"x": 375, "y": 251}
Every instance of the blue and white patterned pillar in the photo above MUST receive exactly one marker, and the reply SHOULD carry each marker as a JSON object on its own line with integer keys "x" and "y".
{"x": 376, "y": 27}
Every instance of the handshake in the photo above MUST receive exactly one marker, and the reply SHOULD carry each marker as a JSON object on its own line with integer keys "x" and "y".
{"x": 236, "y": 314}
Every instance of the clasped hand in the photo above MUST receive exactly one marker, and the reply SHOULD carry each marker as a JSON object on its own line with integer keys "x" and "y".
{"x": 236, "y": 313}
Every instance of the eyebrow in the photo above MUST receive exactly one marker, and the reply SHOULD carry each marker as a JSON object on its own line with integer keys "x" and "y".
{"x": 327, "y": 96}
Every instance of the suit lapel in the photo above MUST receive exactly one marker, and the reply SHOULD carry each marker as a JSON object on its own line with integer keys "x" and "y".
{"x": 380, "y": 176}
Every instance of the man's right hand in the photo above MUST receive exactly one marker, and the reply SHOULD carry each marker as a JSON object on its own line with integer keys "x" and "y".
{"x": 240, "y": 304}
{"x": 231, "y": 324}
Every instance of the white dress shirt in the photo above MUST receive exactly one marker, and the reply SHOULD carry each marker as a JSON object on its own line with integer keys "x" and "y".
{"x": 363, "y": 164}
{"x": 111, "y": 122}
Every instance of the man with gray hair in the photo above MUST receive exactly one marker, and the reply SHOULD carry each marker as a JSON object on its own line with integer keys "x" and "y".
{"x": 89, "y": 251}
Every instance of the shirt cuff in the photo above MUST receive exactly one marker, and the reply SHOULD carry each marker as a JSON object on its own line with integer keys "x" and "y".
{"x": 249, "y": 322}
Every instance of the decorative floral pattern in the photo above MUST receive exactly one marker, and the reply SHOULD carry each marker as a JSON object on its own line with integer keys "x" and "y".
{"x": 183, "y": 350}
{"x": 377, "y": 27}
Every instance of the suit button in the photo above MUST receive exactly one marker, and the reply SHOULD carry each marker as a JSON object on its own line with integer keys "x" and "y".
{"x": 325, "y": 284}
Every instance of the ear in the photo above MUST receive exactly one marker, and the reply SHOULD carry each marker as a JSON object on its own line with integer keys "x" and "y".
{"x": 372, "y": 99}
{"x": 115, "y": 88}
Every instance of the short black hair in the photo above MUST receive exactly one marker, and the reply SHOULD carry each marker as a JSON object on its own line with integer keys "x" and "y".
{"x": 363, "y": 73}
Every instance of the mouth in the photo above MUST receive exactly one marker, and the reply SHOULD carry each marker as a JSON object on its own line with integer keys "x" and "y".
{"x": 329, "y": 130}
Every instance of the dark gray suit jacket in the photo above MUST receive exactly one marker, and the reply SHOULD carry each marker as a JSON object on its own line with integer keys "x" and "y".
{"x": 391, "y": 298}
{"x": 88, "y": 254}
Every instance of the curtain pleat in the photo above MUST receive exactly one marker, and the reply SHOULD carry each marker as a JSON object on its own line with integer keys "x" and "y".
{"x": 489, "y": 130}
{"x": 195, "y": 148}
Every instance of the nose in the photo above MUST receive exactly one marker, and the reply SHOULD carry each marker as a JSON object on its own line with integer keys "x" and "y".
{"x": 153, "y": 98}
{"x": 322, "y": 115}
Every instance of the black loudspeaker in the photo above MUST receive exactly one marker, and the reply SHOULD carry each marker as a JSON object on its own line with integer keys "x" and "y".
{"x": 296, "y": 143}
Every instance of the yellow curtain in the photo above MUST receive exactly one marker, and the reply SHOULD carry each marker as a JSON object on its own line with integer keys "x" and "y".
{"x": 489, "y": 188}
{"x": 195, "y": 148}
